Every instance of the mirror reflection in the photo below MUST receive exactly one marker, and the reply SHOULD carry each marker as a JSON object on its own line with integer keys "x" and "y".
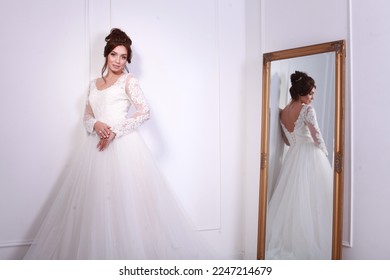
{"x": 299, "y": 222}
{"x": 321, "y": 68}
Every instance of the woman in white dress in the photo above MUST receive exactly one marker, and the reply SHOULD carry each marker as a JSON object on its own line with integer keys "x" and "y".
{"x": 113, "y": 202}
{"x": 299, "y": 219}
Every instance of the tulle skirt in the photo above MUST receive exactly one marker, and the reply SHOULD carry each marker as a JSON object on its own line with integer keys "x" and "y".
{"x": 299, "y": 219}
{"x": 115, "y": 204}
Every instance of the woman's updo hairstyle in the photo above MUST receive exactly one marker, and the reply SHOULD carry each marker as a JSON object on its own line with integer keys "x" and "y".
{"x": 301, "y": 84}
{"x": 117, "y": 38}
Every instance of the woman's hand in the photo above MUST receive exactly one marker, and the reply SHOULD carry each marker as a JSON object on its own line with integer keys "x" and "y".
{"x": 102, "y": 129}
{"x": 104, "y": 142}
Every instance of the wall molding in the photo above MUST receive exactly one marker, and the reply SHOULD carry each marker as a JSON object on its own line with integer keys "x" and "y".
{"x": 348, "y": 180}
{"x": 101, "y": 18}
{"x": 15, "y": 243}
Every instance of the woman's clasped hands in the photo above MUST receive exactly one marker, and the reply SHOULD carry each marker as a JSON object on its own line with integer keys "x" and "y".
{"x": 105, "y": 134}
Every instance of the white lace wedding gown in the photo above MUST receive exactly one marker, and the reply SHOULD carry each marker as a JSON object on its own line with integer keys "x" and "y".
{"x": 115, "y": 204}
{"x": 299, "y": 219}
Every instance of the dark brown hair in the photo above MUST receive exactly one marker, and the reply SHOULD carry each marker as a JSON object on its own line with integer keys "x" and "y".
{"x": 117, "y": 38}
{"x": 301, "y": 84}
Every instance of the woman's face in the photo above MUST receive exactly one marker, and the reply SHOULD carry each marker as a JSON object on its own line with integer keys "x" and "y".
{"x": 116, "y": 59}
{"x": 307, "y": 99}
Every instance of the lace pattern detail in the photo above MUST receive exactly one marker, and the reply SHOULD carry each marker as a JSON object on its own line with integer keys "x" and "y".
{"x": 142, "y": 113}
{"x": 310, "y": 119}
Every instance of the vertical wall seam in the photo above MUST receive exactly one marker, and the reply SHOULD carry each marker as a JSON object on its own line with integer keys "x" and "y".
{"x": 87, "y": 41}
{"x": 350, "y": 143}
{"x": 218, "y": 45}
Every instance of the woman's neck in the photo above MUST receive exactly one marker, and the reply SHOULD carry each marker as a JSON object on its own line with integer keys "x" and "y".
{"x": 112, "y": 76}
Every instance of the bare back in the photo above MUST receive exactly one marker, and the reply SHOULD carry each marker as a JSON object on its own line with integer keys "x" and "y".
{"x": 290, "y": 114}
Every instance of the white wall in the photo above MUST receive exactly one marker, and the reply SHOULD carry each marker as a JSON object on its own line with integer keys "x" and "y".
{"x": 43, "y": 77}
{"x": 179, "y": 63}
{"x": 370, "y": 44}
{"x": 250, "y": 148}
{"x": 194, "y": 65}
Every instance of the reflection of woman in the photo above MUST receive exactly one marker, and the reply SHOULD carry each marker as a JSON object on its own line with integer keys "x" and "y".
{"x": 299, "y": 222}
{"x": 113, "y": 203}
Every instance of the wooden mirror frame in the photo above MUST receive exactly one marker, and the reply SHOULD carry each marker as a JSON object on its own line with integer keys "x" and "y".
{"x": 338, "y": 47}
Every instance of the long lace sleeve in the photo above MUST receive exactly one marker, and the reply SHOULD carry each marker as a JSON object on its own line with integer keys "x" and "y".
{"x": 311, "y": 122}
{"x": 141, "y": 114}
{"x": 89, "y": 118}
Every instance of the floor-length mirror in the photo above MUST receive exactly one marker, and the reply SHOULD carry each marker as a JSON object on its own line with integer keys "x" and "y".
{"x": 293, "y": 235}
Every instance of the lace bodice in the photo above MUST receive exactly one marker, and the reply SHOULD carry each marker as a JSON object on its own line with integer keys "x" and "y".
{"x": 306, "y": 129}
{"x": 112, "y": 106}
